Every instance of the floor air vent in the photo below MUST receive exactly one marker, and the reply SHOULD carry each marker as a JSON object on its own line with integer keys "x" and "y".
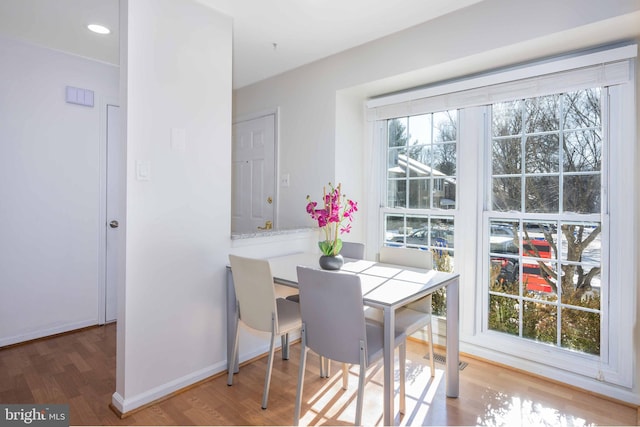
{"x": 441, "y": 358}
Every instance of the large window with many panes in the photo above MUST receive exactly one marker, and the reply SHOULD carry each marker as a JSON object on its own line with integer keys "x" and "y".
{"x": 526, "y": 187}
{"x": 421, "y": 171}
{"x": 545, "y": 250}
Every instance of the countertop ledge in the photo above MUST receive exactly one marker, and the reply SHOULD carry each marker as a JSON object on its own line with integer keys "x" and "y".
{"x": 273, "y": 232}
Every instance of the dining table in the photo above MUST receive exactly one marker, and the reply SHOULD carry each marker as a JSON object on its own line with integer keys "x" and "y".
{"x": 387, "y": 287}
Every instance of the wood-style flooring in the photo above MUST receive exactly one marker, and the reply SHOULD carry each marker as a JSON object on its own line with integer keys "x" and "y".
{"x": 79, "y": 369}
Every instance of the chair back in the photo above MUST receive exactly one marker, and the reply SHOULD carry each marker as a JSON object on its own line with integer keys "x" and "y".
{"x": 352, "y": 250}
{"x": 332, "y": 311}
{"x": 255, "y": 293}
{"x": 406, "y": 256}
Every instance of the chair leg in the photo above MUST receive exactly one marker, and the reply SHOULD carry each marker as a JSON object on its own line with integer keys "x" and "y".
{"x": 327, "y": 367}
{"x": 345, "y": 376}
{"x": 285, "y": 346}
{"x": 234, "y": 353}
{"x": 361, "y": 381}
{"x": 431, "y": 361}
{"x": 267, "y": 378}
{"x": 322, "y": 373}
{"x": 403, "y": 374}
{"x": 303, "y": 362}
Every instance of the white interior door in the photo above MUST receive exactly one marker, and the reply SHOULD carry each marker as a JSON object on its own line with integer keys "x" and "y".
{"x": 115, "y": 210}
{"x": 253, "y": 183}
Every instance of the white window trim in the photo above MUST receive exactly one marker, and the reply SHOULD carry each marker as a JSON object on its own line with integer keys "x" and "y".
{"x": 616, "y": 377}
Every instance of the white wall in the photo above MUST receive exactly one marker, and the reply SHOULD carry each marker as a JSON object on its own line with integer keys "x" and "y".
{"x": 49, "y": 190}
{"x": 176, "y": 73}
{"x": 319, "y": 102}
{"x": 487, "y": 35}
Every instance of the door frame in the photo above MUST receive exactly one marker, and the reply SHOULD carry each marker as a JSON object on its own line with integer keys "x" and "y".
{"x": 102, "y": 213}
{"x": 276, "y": 154}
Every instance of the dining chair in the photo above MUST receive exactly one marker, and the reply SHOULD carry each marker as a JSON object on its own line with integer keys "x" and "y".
{"x": 353, "y": 250}
{"x": 258, "y": 308}
{"x": 416, "y": 315}
{"x": 334, "y": 326}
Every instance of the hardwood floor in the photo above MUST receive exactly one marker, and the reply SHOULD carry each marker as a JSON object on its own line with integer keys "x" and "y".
{"x": 79, "y": 369}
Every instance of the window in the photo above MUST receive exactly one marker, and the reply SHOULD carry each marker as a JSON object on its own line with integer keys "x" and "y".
{"x": 545, "y": 246}
{"x": 421, "y": 175}
{"x": 524, "y": 182}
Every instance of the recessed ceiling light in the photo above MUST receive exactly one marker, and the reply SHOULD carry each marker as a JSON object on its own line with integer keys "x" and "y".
{"x": 100, "y": 29}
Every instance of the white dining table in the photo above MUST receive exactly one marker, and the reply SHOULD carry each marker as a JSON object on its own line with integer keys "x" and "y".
{"x": 384, "y": 286}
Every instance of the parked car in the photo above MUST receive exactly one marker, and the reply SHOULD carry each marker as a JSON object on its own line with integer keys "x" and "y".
{"x": 440, "y": 238}
{"x": 502, "y": 242}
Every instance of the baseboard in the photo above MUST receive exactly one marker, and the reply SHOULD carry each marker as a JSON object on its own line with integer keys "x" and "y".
{"x": 126, "y": 406}
{"x": 47, "y": 332}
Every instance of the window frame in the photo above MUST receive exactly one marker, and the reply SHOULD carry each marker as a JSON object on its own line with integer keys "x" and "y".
{"x": 613, "y": 372}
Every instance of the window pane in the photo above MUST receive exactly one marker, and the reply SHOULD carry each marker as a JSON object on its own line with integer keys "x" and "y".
{"x": 580, "y": 331}
{"x": 581, "y": 242}
{"x": 397, "y": 163}
{"x": 504, "y": 314}
{"x": 585, "y": 289}
{"x": 444, "y": 193}
{"x": 394, "y": 229}
{"x": 442, "y": 232}
{"x": 582, "y": 194}
{"x": 444, "y": 159}
{"x": 582, "y": 151}
{"x": 420, "y": 129}
{"x": 506, "y": 156}
{"x": 503, "y": 275}
{"x": 419, "y": 162}
{"x": 538, "y": 279}
{"x": 542, "y": 194}
{"x": 541, "y": 230}
{"x": 506, "y": 194}
{"x": 396, "y": 193}
{"x": 419, "y": 193}
{"x": 445, "y": 126}
{"x": 582, "y": 109}
{"x": 542, "y": 154}
{"x": 540, "y": 322}
{"x": 581, "y": 275}
{"x": 542, "y": 114}
{"x": 397, "y": 129}
{"x": 507, "y": 118}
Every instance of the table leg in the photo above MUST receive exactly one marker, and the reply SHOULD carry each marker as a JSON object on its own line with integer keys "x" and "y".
{"x": 389, "y": 340}
{"x": 232, "y": 320}
{"x": 453, "y": 340}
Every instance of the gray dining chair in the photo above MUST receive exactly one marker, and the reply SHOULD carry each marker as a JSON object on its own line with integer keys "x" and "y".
{"x": 258, "y": 308}
{"x": 416, "y": 315}
{"x": 334, "y": 326}
{"x": 353, "y": 250}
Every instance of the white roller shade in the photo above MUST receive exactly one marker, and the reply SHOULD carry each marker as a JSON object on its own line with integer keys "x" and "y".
{"x": 599, "y": 69}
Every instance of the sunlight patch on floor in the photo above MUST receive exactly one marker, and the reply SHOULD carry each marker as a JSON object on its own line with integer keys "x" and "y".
{"x": 332, "y": 404}
{"x": 513, "y": 411}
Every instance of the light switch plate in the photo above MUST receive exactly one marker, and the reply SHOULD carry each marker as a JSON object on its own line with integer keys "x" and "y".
{"x": 143, "y": 170}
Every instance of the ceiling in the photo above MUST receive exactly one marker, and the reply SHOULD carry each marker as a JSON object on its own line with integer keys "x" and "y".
{"x": 269, "y": 36}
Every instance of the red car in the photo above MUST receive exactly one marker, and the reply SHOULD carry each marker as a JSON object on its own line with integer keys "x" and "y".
{"x": 532, "y": 276}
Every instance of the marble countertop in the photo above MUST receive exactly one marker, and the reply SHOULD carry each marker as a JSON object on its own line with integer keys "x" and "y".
{"x": 272, "y": 232}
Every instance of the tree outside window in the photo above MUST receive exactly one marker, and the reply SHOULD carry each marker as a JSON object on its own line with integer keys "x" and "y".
{"x": 545, "y": 224}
